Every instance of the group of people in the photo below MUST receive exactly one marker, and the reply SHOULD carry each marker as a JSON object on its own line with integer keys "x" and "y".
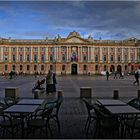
{"x": 115, "y": 75}
{"x": 50, "y": 82}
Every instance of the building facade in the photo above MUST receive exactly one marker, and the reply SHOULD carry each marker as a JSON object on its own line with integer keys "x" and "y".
{"x": 70, "y": 55}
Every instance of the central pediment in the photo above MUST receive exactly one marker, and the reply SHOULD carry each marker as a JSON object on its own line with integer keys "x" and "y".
{"x": 75, "y": 40}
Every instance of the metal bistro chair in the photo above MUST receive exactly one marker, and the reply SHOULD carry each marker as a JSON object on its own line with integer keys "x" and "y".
{"x": 9, "y": 101}
{"x": 39, "y": 120}
{"x": 106, "y": 123}
{"x": 91, "y": 115}
{"x": 57, "y": 103}
{"x": 7, "y": 124}
{"x": 132, "y": 122}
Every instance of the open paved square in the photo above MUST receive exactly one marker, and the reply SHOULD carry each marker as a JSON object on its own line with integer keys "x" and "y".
{"x": 71, "y": 85}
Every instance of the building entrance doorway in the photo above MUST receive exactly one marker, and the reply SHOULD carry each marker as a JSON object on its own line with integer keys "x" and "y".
{"x": 74, "y": 69}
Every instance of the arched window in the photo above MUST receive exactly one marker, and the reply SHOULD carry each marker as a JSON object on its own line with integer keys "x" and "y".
{"x": 125, "y": 67}
{"x": 21, "y": 67}
{"x": 132, "y": 68}
{"x": 6, "y": 67}
{"x": 42, "y": 67}
{"x": 28, "y": 67}
{"x": 35, "y": 67}
{"x": 63, "y": 67}
{"x": 14, "y": 67}
{"x": 96, "y": 67}
{"x": 85, "y": 67}
{"x": 104, "y": 67}
{"x": 51, "y": 67}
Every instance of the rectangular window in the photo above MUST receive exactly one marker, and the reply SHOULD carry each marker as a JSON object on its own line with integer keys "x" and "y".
{"x": 5, "y": 57}
{"x": 20, "y": 49}
{"x": 96, "y": 49}
{"x": 42, "y": 49}
{"x": 13, "y": 58}
{"x": 111, "y": 49}
{"x": 104, "y": 49}
{"x": 28, "y": 58}
{"x": 6, "y": 67}
{"x": 28, "y": 49}
{"x": 5, "y": 49}
{"x": 119, "y": 59}
{"x": 20, "y": 58}
{"x": 139, "y": 58}
{"x": 35, "y": 49}
{"x": 119, "y": 50}
{"x": 13, "y": 49}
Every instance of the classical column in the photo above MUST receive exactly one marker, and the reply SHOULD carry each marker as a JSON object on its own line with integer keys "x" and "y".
{"x": 116, "y": 55}
{"x": 24, "y": 54}
{"x": 108, "y": 54}
{"x": 129, "y": 60}
{"x": 17, "y": 56}
{"x": 78, "y": 54}
{"x": 136, "y": 55}
{"x": 81, "y": 54}
{"x": 46, "y": 53}
{"x": 67, "y": 53}
{"x": 31, "y": 53}
{"x": 122, "y": 56}
{"x": 92, "y": 54}
{"x": 38, "y": 54}
{"x": 88, "y": 54}
{"x": 101, "y": 55}
{"x": 1, "y": 54}
{"x": 10, "y": 55}
{"x": 59, "y": 53}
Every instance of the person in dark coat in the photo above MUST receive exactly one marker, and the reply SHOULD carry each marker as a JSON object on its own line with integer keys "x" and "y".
{"x": 107, "y": 75}
{"x": 54, "y": 82}
{"x": 137, "y": 78}
{"x": 115, "y": 76}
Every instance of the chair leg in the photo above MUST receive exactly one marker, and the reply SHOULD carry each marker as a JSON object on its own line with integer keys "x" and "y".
{"x": 49, "y": 128}
{"x": 58, "y": 123}
{"x": 86, "y": 123}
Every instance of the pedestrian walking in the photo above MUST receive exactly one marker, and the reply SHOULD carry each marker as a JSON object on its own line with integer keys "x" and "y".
{"x": 137, "y": 78}
{"x": 115, "y": 76}
{"x": 54, "y": 82}
{"x": 49, "y": 82}
{"x": 107, "y": 75}
{"x": 121, "y": 75}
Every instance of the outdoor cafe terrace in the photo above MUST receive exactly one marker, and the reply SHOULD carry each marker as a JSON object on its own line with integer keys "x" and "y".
{"x": 73, "y": 110}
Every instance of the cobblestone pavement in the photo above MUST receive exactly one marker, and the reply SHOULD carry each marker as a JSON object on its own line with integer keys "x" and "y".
{"x": 73, "y": 113}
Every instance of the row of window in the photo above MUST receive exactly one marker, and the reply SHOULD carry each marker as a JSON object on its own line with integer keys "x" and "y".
{"x": 52, "y": 49}
{"x": 85, "y": 68}
{"x": 73, "y": 58}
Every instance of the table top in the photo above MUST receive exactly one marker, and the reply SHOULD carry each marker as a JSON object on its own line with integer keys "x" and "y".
{"x": 122, "y": 110}
{"x": 21, "y": 109}
{"x": 110, "y": 102}
{"x": 30, "y": 102}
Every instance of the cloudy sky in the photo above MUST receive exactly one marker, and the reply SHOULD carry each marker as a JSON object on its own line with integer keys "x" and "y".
{"x": 37, "y": 20}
